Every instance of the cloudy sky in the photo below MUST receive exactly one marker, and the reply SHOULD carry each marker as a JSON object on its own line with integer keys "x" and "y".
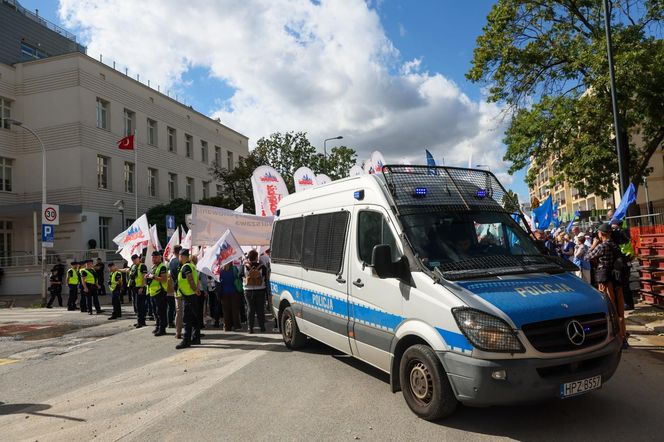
{"x": 387, "y": 75}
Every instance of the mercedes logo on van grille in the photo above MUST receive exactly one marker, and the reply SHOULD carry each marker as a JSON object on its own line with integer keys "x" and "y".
{"x": 575, "y": 332}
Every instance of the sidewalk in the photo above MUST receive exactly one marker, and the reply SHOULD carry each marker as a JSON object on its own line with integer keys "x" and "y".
{"x": 646, "y": 327}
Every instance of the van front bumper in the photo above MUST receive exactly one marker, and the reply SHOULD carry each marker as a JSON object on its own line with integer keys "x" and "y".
{"x": 527, "y": 379}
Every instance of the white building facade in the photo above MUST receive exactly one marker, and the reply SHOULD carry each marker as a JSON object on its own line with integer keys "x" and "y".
{"x": 81, "y": 108}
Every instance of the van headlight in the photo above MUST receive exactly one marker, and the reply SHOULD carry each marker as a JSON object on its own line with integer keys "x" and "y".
{"x": 487, "y": 332}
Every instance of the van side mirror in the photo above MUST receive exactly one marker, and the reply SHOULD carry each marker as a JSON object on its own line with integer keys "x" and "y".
{"x": 381, "y": 259}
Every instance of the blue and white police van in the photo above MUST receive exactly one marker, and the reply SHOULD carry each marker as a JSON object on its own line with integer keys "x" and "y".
{"x": 429, "y": 274}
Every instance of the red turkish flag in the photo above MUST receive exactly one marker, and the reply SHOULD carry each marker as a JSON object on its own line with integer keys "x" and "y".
{"x": 127, "y": 143}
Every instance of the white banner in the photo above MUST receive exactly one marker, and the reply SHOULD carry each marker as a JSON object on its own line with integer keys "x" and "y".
{"x": 323, "y": 179}
{"x": 269, "y": 188}
{"x": 139, "y": 231}
{"x": 355, "y": 171}
{"x": 174, "y": 241}
{"x": 377, "y": 161}
{"x": 211, "y": 222}
{"x": 304, "y": 179}
{"x": 225, "y": 250}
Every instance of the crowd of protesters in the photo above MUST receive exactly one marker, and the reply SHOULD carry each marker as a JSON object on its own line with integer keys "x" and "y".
{"x": 603, "y": 259}
{"x": 173, "y": 294}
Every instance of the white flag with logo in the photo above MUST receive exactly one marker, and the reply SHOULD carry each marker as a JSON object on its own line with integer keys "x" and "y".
{"x": 139, "y": 231}
{"x": 269, "y": 188}
{"x": 154, "y": 237}
{"x": 323, "y": 179}
{"x": 174, "y": 241}
{"x": 355, "y": 171}
{"x": 304, "y": 179}
{"x": 225, "y": 250}
{"x": 377, "y": 161}
{"x": 367, "y": 167}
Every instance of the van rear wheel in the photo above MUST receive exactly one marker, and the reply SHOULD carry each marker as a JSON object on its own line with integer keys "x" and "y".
{"x": 293, "y": 338}
{"x": 424, "y": 384}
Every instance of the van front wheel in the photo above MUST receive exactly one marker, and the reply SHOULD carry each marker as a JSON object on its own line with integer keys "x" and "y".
{"x": 425, "y": 385}
{"x": 293, "y": 338}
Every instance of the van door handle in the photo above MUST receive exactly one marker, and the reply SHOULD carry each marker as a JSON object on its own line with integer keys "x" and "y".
{"x": 340, "y": 280}
{"x": 358, "y": 283}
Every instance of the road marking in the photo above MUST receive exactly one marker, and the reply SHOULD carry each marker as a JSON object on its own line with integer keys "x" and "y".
{"x": 89, "y": 342}
{"x": 7, "y": 361}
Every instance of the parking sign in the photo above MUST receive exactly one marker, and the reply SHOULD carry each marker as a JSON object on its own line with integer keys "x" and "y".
{"x": 48, "y": 235}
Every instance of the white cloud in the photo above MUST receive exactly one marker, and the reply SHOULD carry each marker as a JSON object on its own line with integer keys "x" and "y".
{"x": 402, "y": 30}
{"x": 325, "y": 67}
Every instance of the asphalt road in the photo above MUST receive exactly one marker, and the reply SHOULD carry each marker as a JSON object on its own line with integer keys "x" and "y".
{"x": 108, "y": 381}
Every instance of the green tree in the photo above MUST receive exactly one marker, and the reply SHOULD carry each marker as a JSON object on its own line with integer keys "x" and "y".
{"x": 286, "y": 152}
{"x": 511, "y": 201}
{"x": 546, "y": 62}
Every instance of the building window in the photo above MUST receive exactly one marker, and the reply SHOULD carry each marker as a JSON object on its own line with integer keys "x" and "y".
{"x": 104, "y": 227}
{"x": 152, "y": 132}
{"x": 189, "y": 190}
{"x": 220, "y": 189}
{"x": 5, "y": 113}
{"x": 204, "y": 151}
{"x": 172, "y": 186}
{"x": 6, "y": 174}
{"x": 102, "y": 171}
{"x": 188, "y": 146}
{"x": 171, "y": 139}
{"x": 29, "y": 52}
{"x": 217, "y": 156}
{"x": 102, "y": 114}
{"x": 206, "y": 189}
{"x": 229, "y": 160}
{"x": 152, "y": 182}
{"x": 6, "y": 241}
{"x": 128, "y": 176}
{"x": 129, "y": 125}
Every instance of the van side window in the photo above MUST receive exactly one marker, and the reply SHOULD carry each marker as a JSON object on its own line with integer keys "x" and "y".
{"x": 324, "y": 239}
{"x": 287, "y": 241}
{"x": 372, "y": 230}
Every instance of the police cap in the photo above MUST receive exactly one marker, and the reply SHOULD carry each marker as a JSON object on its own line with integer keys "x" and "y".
{"x": 156, "y": 253}
{"x": 184, "y": 252}
{"x": 605, "y": 228}
{"x": 134, "y": 256}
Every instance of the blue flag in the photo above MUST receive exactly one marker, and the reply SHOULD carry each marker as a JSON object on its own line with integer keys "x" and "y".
{"x": 628, "y": 198}
{"x": 569, "y": 226}
{"x": 543, "y": 215}
{"x": 554, "y": 216}
{"x": 430, "y": 162}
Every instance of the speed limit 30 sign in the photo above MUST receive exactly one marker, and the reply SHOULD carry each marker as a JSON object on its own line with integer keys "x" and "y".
{"x": 51, "y": 214}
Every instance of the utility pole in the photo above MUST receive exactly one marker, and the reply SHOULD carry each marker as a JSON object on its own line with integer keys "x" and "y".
{"x": 623, "y": 168}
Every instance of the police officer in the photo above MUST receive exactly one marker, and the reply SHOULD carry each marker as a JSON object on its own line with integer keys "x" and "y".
{"x": 157, "y": 288}
{"x": 139, "y": 287}
{"x": 115, "y": 284}
{"x": 90, "y": 286}
{"x": 73, "y": 280}
{"x": 188, "y": 289}
{"x": 131, "y": 279}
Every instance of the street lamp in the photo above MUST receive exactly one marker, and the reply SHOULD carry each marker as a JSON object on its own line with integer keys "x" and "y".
{"x": 325, "y": 144}
{"x": 43, "y": 250}
{"x": 119, "y": 204}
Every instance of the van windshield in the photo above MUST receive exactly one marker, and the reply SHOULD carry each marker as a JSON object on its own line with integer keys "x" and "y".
{"x": 467, "y": 244}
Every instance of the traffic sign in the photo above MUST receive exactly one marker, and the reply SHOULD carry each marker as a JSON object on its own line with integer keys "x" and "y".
{"x": 170, "y": 225}
{"x": 48, "y": 235}
{"x": 51, "y": 214}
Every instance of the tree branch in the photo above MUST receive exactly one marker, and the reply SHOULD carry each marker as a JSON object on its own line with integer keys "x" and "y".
{"x": 650, "y": 150}
{"x": 573, "y": 8}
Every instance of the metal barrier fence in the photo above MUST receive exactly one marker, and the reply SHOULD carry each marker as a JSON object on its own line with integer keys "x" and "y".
{"x": 26, "y": 259}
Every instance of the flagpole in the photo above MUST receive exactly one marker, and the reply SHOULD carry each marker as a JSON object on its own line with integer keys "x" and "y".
{"x": 135, "y": 176}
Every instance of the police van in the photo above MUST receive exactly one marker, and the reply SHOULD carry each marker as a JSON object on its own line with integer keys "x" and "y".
{"x": 430, "y": 274}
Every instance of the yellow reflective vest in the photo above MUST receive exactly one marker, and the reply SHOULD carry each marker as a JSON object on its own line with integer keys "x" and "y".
{"x": 155, "y": 286}
{"x": 183, "y": 283}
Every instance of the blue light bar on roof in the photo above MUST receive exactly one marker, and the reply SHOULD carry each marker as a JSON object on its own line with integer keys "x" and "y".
{"x": 358, "y": 195}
